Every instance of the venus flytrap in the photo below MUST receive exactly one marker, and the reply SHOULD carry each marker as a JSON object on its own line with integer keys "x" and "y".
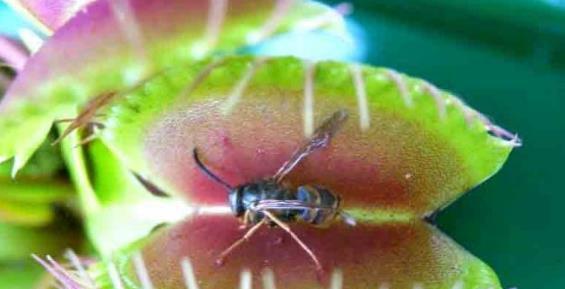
{"x": 41, "y": 241}
{"x": 408, "y": 150}
{"x": 118, "y": 58}
{"x": 32, "y": 207}
{"x": 36, "y": 215}
{"x": 58, "y": 91}
{"x": 410, "y": 161}
{"x": 147, "y": 131}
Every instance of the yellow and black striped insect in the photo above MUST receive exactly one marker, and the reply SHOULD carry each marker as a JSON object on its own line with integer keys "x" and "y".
{"x": 271, "y": 201}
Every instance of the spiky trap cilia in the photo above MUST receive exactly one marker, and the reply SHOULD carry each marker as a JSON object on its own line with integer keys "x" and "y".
{"x": 159, "y": 78}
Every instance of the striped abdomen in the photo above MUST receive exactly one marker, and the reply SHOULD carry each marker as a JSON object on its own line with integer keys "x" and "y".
{"x": 325, "y": 205}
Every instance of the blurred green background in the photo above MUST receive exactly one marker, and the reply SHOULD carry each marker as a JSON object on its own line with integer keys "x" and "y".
{"x": 507, "y": 59}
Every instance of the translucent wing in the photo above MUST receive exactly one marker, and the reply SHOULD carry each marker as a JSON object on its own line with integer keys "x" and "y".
{"x": 276, "y": 205}
{"x": 320, "y": 139}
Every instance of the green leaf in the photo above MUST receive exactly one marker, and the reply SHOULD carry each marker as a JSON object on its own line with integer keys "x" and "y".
{"x": 18, "y": 242}
{"x": 445, "y": 147}
{"x": 396, "y": 255}
{"x": 20, "y": 275}
{"x": 407, "y": 149}
{"x": 130, "y": 43}
{"x": 32, "y": 202}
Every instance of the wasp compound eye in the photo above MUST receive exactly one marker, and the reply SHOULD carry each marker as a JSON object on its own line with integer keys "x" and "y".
{"x": 236, "y": 202}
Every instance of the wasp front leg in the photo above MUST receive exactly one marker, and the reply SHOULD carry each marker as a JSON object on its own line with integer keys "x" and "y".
{"x": 247, "y": 216}
{"x": 221, "y": 258}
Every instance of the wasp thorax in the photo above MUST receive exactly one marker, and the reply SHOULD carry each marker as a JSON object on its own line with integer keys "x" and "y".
{"x": 246, "y": 197}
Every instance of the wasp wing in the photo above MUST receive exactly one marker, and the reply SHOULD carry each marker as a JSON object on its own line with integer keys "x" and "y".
{"x": 277, "y": 205}
{"x": 320, "y": 139}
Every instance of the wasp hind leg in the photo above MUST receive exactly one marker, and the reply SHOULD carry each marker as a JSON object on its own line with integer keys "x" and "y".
{"x": 291, "y": 233}
{"x": 220, "y": 260}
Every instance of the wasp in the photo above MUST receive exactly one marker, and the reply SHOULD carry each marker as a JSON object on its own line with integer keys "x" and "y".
{"x": 274, "y": 202}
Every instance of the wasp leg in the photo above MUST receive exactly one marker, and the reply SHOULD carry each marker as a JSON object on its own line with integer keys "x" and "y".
{"x": 246, "y": 219}
{"x": 237, "y": 243}
{"x": 289, "y": 231}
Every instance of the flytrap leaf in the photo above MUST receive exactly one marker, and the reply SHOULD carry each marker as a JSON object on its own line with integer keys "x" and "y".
{"x": 48, "y": 15}
{"x": 394, "y": 255}
{"x": 407, "y": 149}
{"x": 110, "y": 46}
{"x": 32, "y": 202}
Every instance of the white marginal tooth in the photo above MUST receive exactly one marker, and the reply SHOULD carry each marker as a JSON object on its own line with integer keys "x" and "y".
{"x": 308, "y": 117}
{"x": 436, "y": 94}
{"x": 30, "y": 39}
{"x": 333, "y": 19}
{"x": 216, "y": 16}
{"x": 217, "y": 11}
{"x": 336, "y": 279}
{"x": 401, "y": 85}
{"x": 188, "y": 274}
{"x": 468, "y": 114}
{"x": 128, "y": 25}
{"x": 114, "y": 276}
{"x": 270, "y": 26}
{"x": 245, "y": 279}
{"x": 516, "y": 141}
{"x": 239, "y": 88}
{"x": 75, "y": 261}
{"x": 49, "y": 267}
{"x": 67, "y": 279}
{"x": 11, "y": 56}
{"x": 141, "y": 271}
{"x": 361, "y": 92}
{"x": 268, "y": 278}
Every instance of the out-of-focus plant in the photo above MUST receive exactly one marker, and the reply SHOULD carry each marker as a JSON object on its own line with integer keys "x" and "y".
{"x": 36, "y": 210}
{"x": 133, "y": 86}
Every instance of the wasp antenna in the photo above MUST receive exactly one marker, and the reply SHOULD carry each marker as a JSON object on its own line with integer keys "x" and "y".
{"x": 207, "y": 172}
